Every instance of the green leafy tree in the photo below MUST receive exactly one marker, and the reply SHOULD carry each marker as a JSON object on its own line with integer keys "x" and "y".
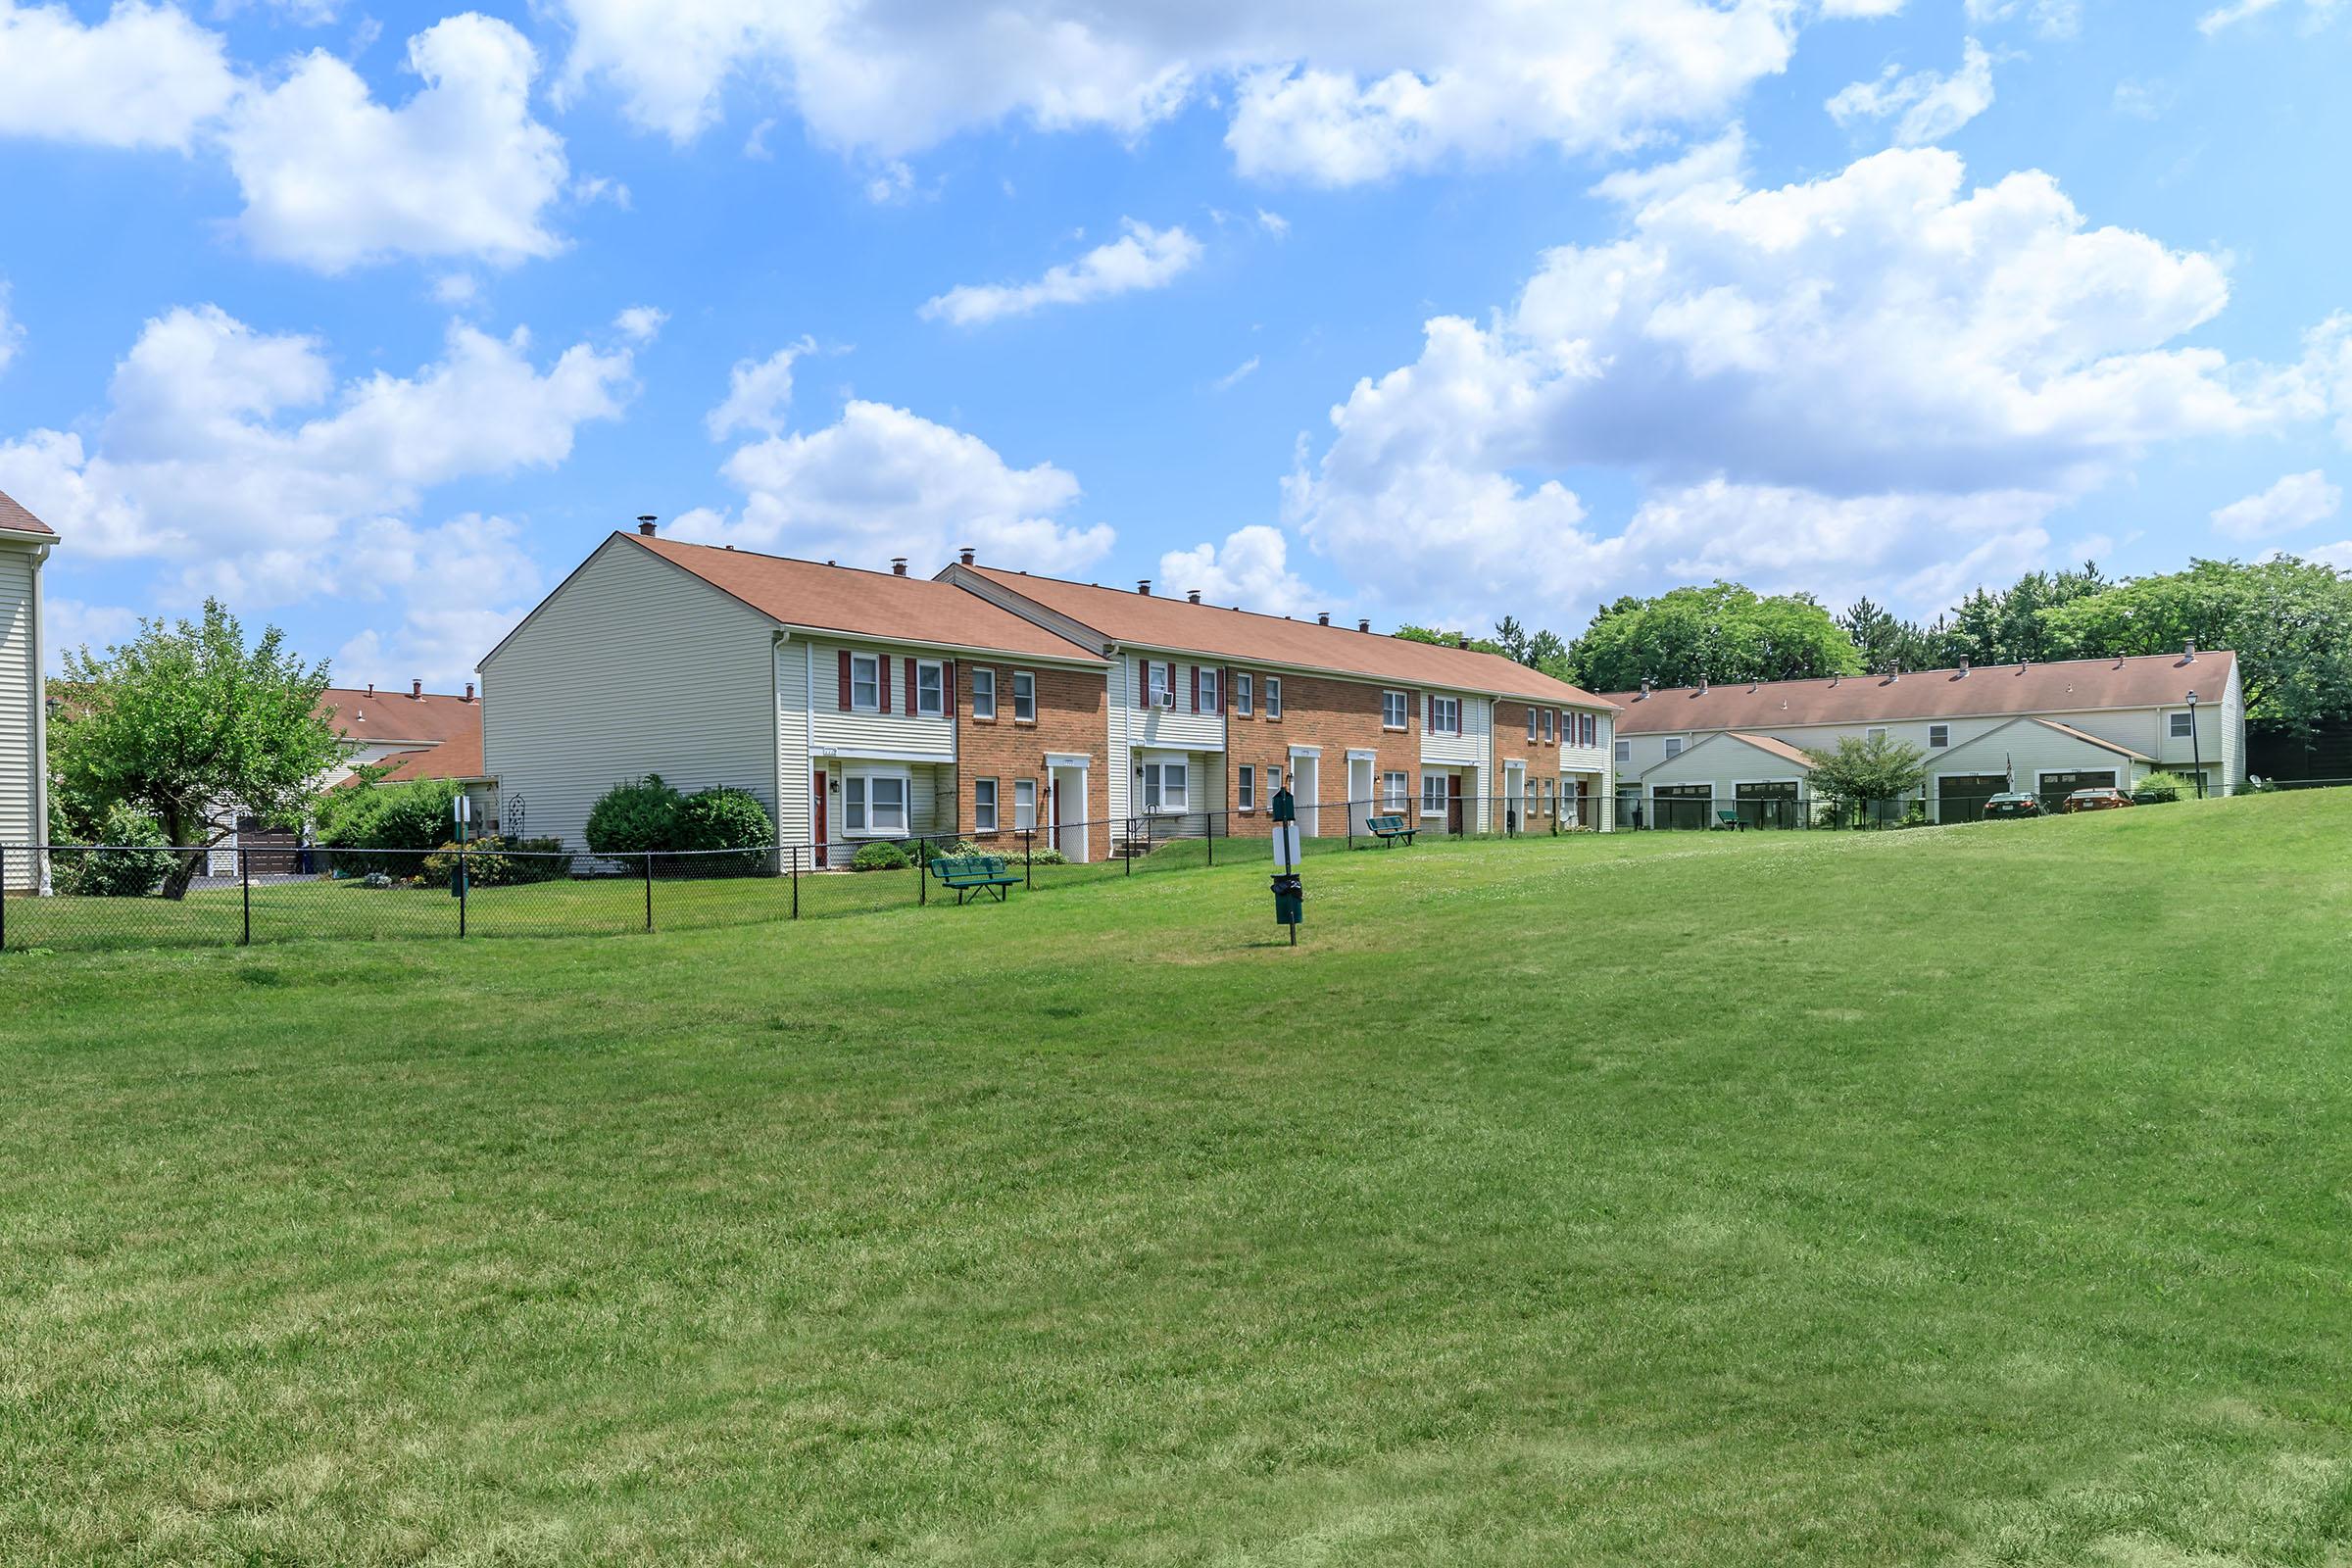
{"x": 1856, "y": 773}
{"x": 187, "y": 724}
{"x": 1722, "y": 632}
{"x": 1447, "y": 639}
{"x": 2290, "y": 622}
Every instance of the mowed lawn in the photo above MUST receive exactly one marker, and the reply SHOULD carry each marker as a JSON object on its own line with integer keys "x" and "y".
{"x": 1964, "y": 1196}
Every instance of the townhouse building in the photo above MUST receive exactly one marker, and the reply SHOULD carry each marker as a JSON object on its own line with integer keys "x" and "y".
{"x": 1212, "y": 710}
{"x": 25, "y": 545}
{"x": 852, "y": 704}
{"x": 1684, "y": 754}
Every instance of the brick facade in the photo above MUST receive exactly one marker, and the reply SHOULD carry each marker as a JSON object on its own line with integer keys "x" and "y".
{"x": 1541, "y": 755}
{"x": 1336, "y": 717}
{"x": 1074, "y": 715}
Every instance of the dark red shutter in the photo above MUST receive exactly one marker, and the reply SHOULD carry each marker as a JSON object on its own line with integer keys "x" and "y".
{"x": 912, "y": 707}
{"x": 1195, "y": 671}
{"x": 845, "y": 680}
{"x": 946, "y": 689}
{"x": 882, "y": 682}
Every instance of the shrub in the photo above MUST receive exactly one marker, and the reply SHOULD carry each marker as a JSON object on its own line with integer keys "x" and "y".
{"x": 131, "y": 872}
{"x": 2161, "y": 786}
{"x": 388, "y": 827}
{"x": 488, "y": 864}
{"x": 879, "y": 855}
{"x": 1046, "y": 854}
{"x": 636, "y": 817}
{"x": 725, "y": 820}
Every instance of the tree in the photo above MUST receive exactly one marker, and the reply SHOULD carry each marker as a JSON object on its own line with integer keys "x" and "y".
{"x": 1723, "y": 632}
{"x": 187, "y": 724}
{"x": 2290, "y": 622}
{"x": 1449, "y": 639}
{"x": 1858, "y": 772}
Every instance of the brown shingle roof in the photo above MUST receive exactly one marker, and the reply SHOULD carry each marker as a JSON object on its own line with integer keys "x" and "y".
{"x": 13, "y": 519}
{"x": 1780, "y": 748}
{"x": 2068, "y": 686}
{"x": 1246, "y": 637}
{"x": 866, "y": 604}
{"x": 391, "y": 715}
{"x": 460, "y": 757}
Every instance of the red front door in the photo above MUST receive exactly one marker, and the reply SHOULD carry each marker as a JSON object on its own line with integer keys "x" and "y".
{"x": 1453, "y": 803}
{"x": 1053, "y": 812}
{"x": 816, "y": 793}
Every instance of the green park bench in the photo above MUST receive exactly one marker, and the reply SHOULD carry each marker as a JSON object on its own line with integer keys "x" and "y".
{"x": 1730, "y": 819}
{"x": 1390, "y": 830}
{"x": 975, "y": 873}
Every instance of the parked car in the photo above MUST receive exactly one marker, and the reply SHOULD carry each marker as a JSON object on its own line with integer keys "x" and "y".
{"x": 2096, "y": 799}
{"x": 2013, "y": 804}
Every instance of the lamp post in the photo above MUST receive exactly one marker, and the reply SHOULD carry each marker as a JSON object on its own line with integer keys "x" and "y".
{"x": 2196, "y": 746}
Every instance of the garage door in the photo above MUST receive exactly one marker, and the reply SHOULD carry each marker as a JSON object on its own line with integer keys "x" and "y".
{"x": 1961, "y": 796}
{"x": 1766, "y": 805}
{"x": 2056, "y": 787}
{"x": 1684, "y": 805}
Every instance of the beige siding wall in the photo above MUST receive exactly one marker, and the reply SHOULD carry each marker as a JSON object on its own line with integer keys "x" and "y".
{"x": 1722, "y": 763}
{"x": 2031, "y": 749}
{"x": 892, "y": 734}
{"x": 634, "y": 666}
{"x": 20, "y": 702}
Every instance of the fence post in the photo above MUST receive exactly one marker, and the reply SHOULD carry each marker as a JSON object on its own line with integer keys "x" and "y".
{"x": 461, "y": 895}
{"x": 245, "y": 889}
{"x": 1028, "y": 877}
{"x": 4, "y": 898}
{"x": 1208, "y": 831}
{"x": 648, "y": 890}
{"x": 1131, "y": 846}
{"x": 922, "y": 872}
{"x": 795, "y": 881}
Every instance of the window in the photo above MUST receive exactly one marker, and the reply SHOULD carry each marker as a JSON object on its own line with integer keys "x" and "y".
{"x": 1159, "y": 682}
{"x": 1273, "y": 782}
{"x": 1207, "y": 679}
{"x": 1875, "y": 733}
{"x": 1273, "y": 697}
{"x": 1243, "y": 697}
{"x": 1164, "y": 786}
{"x": 1548, "y": 797}
{"x": 1529, "y": 809}
{"x": 1547, "y": 727}
{"x": 1624, "y": 751}
{"x": 1445, "y": 715}
{"x": 1396, "y": 788}
{"x": 984, "y": 806}
{"x": 1245, "y": 793}
{"x": 1024, "y": 804}
{"x": 1939, "y": 735}
{"x": 1024, "y": 697}
{"x": 873, "y": 804}
{"x": 930, "y": 688}
{"x": 1433, "y": 795}
{"x": 1673, "y": 746}
{"x": 866, "y": 682}
{"x": 1531, "y": 726}
{"x": 1392, "y": 709}
{"x": 1591, "y": 730}
{"x": 2179, "y": 726}
{"x": 984, "y": 694}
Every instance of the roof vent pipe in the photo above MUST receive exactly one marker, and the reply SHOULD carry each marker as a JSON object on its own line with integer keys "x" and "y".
{"x": 1963, "y": 667}
{"x": 1645, "y": 688}
{"x": 1702, "y": 685}
{"x": 371, "y": 688}
{"x": 1461, "y": 639}
{"x": 470, "y": 691}
{"x": 2188, "y": 653}
{"x": 1144, "y": 586}
{"x": 1322, "y": 618}
{"x": 1364, "y": 624}
{"x": 645, "y": 524}
{"x": 898, "y": 565}
{"x": 967, "y": 555}
{"x": 1192, "y": 595}
{"x": 416, "y": 688}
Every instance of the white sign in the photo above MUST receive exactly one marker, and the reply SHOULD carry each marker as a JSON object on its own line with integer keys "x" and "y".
{"x": 1286, "y": 847}
{"x": 460, "y": 809}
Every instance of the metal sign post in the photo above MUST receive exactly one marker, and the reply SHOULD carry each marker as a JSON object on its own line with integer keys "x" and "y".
{"x": 1290, "y": 895}
{"x": 460, "y": 812}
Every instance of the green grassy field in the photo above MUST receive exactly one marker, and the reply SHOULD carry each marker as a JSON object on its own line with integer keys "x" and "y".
{"x": 1965, "y": 1195}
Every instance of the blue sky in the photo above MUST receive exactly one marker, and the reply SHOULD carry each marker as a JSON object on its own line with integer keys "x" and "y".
{"x": 374, "y": 320}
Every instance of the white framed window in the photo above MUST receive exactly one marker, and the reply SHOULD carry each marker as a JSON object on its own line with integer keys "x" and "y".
{"x": 930, "y": 688}
{"x": 1940, "y": 736}
{"x": 1531, "y": 726}
{"x": 874, "y": 805}
{"x": 1445, "y": 715}
{"x": 1396, "y": 791}
{"x": 1548, "y": 713}
{"x": 984, "y": 693}
{"x": 1024, "y": 804}
{"x": 1623, "y": 750}
{"x": 1158, "y": 685}
{"x": 1243, "y": 697}
{"x": 866, "y": 682}
{"x": 1245, "y": 790}
{"x": 1529, "y": 808}
{"x": 1024, "y": 697}
{"x": 1273, "y": 697}
{"x": 1208, "y": 690}
{"x": 1164, "y": 787}
{"x": 1433, "y": 795}
{"x": 2179, "y": 726}
{"x": 1392, "y": 709}
{"x": 1673, "y": 746}
{"x": 984, "y": 806}
{"x": 1876, "y": 732}
{"x": 1273, "y": 782}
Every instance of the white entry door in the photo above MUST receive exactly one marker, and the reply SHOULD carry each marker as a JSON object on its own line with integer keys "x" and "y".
{"x": 1359, "y": 793}
{"x": 1306, "y": 776}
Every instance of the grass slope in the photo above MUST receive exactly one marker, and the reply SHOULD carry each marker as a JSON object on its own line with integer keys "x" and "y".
{"x": 1970, "y": 1196}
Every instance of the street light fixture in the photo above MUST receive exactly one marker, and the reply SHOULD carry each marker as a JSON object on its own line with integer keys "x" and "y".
{"x": 2196, "y": 745}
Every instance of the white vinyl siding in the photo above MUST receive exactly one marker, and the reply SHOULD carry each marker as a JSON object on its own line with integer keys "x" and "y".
{"x": 634, "y": 666}
{"x": 20, "y": 704}
{"x": 896, "y": 735}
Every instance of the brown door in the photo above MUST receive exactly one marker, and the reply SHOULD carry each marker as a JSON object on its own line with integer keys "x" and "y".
{"x": 1582, "y": 797}
{"x": 1453, "y": 803}
{"x": 268, "y": 852}
{"x": 817, "y": 793}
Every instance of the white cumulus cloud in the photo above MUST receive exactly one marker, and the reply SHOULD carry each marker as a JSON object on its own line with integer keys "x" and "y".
{"x": 143, "y": 76}
{"x": 758, "y": 394}
{"x": 1249, "y": 570}
{"x": 1928, "y": 106}
{"x": 332, "y": 178}
{"x": 12, "y": 331}
{"x": 2297, "y": 500}
{"x": 2315, "y": 13}
{"x": 1141, "y": 258}
{"x": 463, "y": 584}
{"x": 883, "y": 481}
